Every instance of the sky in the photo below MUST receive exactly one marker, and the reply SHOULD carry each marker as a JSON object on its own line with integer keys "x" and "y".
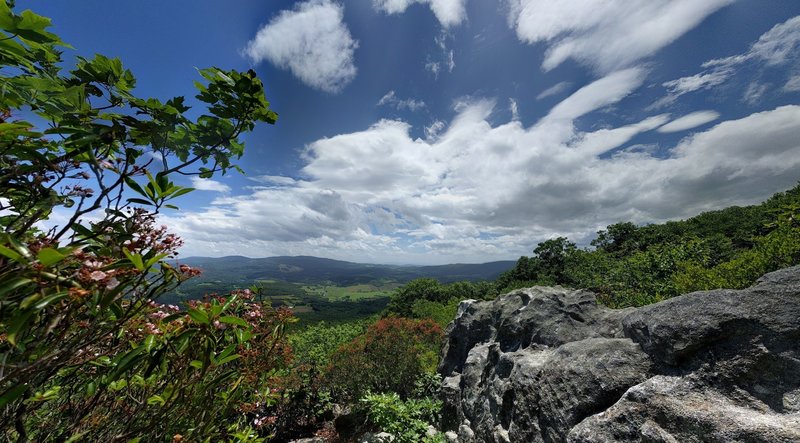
{"x": 443, "y": 131}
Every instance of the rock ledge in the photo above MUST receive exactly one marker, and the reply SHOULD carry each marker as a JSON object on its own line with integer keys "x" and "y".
{"x": 551, "y": 365}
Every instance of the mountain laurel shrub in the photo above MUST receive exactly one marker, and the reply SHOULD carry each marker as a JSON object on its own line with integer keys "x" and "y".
{"x": 85, "y": 168}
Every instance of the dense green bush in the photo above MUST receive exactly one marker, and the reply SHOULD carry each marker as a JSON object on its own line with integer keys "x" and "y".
{"x": 389, "y": 357}
{"x": 407, "y": 420}
{"x": 429, "y": 289}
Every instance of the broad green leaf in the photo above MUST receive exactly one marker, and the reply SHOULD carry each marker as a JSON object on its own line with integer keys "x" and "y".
{"x": 231, "y": 320}
{"x": 50, "y": 256}
{"x": 149, "y": 343}
{"x": 10, "y": 253}
{"x": 199, "y": 316}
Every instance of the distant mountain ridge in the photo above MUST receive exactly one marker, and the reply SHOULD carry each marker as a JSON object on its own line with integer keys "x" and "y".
{"x": 316, "y": 270}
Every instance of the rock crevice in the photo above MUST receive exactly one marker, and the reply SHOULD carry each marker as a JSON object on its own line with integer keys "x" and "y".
{"x": 552, "y": 365}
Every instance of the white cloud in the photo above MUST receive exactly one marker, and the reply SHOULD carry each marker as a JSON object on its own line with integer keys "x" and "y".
{"x": 600, "y": 93}
{"x": 778, "y": 46}
{"x": 689, "y": 121}
{"x": 311, "y": 41}
{"x": 556, "y": 89}
{"x": 206, "y": 184}
{"x": 391, "y": 99}
{"x": 697, "y": 82}
{"x": 476, "y": 191}
{"x": 434, "y": 129}
{"x": 448, "y": 12}
{"x": 276, "y": 180}
{"x": 514, "y": 108}
{"x": 754, "y": 92}
{"x": 793, "y": 84}
{"x": 445, "y": 59}
{"x": 606, "y": 34}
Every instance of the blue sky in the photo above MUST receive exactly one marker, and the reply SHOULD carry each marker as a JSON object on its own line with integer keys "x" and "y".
{"x": 436, "y": 131}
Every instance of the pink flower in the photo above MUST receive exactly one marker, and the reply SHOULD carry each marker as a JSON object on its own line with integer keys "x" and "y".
{"x": 93, "y": 264}
{"x": 97, "y": 275}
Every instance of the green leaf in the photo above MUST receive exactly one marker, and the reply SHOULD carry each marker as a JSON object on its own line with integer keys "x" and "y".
{"x": 10, "y": 253}
{"x": 12, "y": 394}
{"x": 50, "y": 256}
{"x": 13, "y": 284}
{"x": 16, "y": 325}
{"x": 46, "y": 301}
{"x": 231, "y": 320}
{"x": 136, "y": 259}
{"x": 156, "y": 400}
{"x": 140, "y": 201}
{"x": 199, "y": 316}
{"x": 149, "y": 343}
{"x": 227, "y": 359}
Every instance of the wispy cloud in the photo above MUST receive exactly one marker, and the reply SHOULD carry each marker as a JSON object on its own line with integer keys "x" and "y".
{"x": 556, "y": 89}
{"x": 606, "y": 35}
{"x": 778, "y": 46}
{"x": 311, "y": 41}
{"x": 689, "y": 121}
{"x": 390, "y": 99}
{"x": 206, "y": 184}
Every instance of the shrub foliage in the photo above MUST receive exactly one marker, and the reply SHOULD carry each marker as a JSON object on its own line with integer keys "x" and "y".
{"x": 85, "y": 167}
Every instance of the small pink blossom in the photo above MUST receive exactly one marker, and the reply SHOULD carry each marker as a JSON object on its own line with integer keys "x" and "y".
{"x": 97, "y": 275}
{"x": 94, "y": 264}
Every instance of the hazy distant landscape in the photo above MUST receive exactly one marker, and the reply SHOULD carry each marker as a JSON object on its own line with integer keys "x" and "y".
{"x": 318, "y": 288}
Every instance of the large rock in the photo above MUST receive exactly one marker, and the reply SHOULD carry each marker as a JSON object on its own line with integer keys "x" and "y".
{"x": 551, "y": 365}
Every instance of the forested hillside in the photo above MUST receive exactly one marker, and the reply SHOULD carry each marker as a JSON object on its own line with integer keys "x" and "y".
{"x": 637, "y": 265}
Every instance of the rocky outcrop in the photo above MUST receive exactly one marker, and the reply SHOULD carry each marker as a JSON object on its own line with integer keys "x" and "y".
{"x": 551, "y": 365}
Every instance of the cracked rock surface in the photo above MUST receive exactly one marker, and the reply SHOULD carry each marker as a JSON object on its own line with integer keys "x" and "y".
{"x": 551, "y": 365}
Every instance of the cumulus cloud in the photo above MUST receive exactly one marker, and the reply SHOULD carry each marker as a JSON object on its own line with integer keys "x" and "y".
{"x": 778, "y": 46}
{"x": 448, "y": 12}
{"x": 689, "y": 121}
{"x": 476, "y": 191}
{"x": 605, "y": 34}
{"x": 206, "y": 184}
{"x": 391, "y": 99}
{"x": 312, "y": 41}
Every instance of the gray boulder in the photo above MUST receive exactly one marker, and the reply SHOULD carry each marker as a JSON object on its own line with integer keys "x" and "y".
{"x": 551, "y": 365}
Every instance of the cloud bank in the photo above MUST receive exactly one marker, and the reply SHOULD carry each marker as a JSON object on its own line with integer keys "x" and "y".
{"x": 476, "y": 191}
